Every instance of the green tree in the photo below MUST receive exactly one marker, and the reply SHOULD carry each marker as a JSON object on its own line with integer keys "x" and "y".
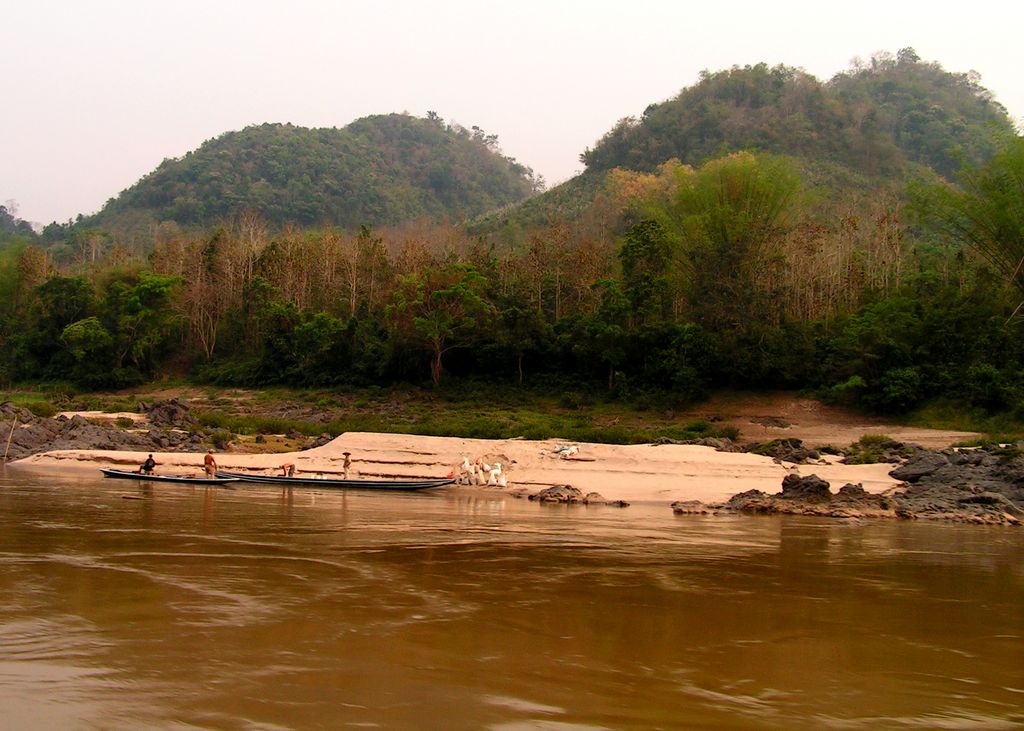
{"x": 89, "y": 344}
{"x": 441, "y": 309}
{"x": 646, "y": 257}
{"x": 55, "y": 304}
{"x": 732, "y": 213}
{"x": 600, "y": 339}
{"x": 138, "y": 314}
{"x": 522, "y": 330}
{"x": 322, "y": 350}
{"x": 986, "y": 212}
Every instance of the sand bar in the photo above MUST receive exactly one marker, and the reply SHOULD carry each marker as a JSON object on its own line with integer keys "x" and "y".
{"x": 634, "y": 473}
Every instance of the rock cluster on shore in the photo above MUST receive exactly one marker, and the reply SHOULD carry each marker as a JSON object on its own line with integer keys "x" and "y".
{"x": 24, "y": 433}
{"x": 572, "y": 495}
{"x": 983, "y": 485}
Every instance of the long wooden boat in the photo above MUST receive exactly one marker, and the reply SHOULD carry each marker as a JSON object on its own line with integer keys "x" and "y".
{"x": 335, "y": 483}
{"x": 130, "y": 475}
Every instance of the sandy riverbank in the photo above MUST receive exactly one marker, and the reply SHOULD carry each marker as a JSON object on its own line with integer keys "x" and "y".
{"x": 634, "y": 473}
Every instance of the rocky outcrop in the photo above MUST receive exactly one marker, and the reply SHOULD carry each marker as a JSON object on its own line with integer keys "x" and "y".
{"x": 810, "y": 495}
{"x": 994, "y": 467}
{"x": 983, "y": 486}
{"x": 30, "y": 434}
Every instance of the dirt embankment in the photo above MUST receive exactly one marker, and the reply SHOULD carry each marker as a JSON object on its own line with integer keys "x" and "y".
{"x": 767, "y": 416}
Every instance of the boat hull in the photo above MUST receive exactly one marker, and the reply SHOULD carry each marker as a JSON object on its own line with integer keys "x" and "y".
{"x": 129, "y": 475}
{"x": 342, "y": 484}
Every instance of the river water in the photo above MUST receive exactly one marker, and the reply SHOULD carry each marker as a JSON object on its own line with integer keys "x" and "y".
{"x": 129, "y": 605}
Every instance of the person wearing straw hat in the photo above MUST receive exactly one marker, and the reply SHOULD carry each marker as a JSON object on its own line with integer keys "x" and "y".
{"x": 209, "y": 463}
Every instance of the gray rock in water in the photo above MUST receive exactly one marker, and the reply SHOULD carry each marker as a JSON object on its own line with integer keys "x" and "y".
{"x": 689, "y": 507}
{"x": 595, "y": 498}
{"x": 558, "y": 494}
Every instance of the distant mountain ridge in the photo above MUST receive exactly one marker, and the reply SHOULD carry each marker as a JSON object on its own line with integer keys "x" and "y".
{"x": 381, "y": 169}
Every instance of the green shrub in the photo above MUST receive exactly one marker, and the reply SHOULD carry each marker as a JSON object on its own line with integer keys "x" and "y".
{"x": 869, "y": 441}
{"x": 728, "y": 432}
{"x": 699, "y": 427}
{"x": 901, "y": 389}
{"x": 847, "y": 393}
{"x": 575, "y": 400}
{"x": 43, "y": 409}
{"x": 871, "y": 448}
{"x": 112, "y": 407}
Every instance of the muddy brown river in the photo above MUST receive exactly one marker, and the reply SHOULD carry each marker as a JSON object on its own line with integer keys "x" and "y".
{"x": 126, "y": 605}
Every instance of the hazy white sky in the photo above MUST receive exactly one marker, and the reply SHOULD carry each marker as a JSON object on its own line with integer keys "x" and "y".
{"x": 97, "y": 92}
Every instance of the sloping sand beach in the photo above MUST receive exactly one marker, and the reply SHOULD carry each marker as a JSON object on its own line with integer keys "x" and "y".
{"x": 634, "y": 473}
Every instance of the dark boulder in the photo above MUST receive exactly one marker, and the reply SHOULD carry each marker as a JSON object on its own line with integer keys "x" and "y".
{"x": 320, "y": 441}
{"x": 173, "y": 412}
{"x": 570, "y": 494}
{"x": 558, "y": 494}
{"x": 785, "y": 450}
{"x": 921, "y": 465}
{"x": 690, "y": 507}
{"x": 810, "y": 496}
{"x": 811, "y": 488}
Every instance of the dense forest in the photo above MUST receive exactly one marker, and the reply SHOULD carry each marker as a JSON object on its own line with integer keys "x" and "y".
{"x": 860, "y": 238}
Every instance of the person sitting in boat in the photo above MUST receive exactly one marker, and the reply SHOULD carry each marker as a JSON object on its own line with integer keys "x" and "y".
{"x": 148, "y": 466}
{"x": 288, "y": 469}
{"x": 210, "y": 464}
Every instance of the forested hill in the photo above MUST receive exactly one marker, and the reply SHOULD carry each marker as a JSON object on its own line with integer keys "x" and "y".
{"x": 875, "y": 125}
{"x": 873, "y": 118}
{"x": 378, "y": 170}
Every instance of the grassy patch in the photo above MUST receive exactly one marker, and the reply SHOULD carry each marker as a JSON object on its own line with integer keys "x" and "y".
{"x": 873, "y": 448}
{"x": 1005, "y": 427}
{"x": 39, "y": 404}
{"x": 42, "y": 408}
{"x": 214, "y": 421}
{"x": 119, "y": 404}
{"x": 480, "y": 413}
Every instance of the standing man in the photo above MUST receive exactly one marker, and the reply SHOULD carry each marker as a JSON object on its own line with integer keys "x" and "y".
{"x": 346, "y": 465}
{"x": 210, "y": 463}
